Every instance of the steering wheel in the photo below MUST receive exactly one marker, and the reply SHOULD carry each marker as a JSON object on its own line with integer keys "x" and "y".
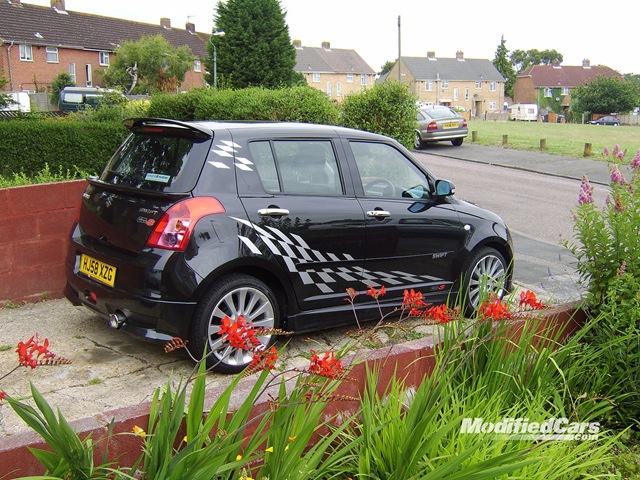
{"x": 386, "y": 184}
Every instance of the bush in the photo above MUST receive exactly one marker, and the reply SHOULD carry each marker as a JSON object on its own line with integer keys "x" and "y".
{"x": 608, "y": 253}
{"x": 389, "y": 109}
{"x": 60, "y": 146}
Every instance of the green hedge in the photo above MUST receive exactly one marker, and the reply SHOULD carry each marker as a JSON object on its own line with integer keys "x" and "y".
{"x": 83, "y": 142}
{"x": 29, "y": 147}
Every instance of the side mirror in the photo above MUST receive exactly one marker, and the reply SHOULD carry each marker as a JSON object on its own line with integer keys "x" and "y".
{"x": 444, "y": 188}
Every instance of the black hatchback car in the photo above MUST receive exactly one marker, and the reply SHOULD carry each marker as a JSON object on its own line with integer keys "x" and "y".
{"x": 191, "y": 222}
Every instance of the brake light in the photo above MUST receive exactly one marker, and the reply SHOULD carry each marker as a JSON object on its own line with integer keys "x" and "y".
{"x": 173, "y": 230}
{"x": 464, "y": 123}
{"x": 432, "y": 126}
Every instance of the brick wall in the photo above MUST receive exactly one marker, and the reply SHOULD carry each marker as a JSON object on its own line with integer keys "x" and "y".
{"x": 35, "y": 222}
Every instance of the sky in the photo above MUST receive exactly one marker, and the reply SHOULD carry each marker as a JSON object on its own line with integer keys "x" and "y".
{"x": 577, "y": 29}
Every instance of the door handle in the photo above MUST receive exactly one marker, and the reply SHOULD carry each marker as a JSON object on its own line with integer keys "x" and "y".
{"x": 378, "y": 213}
{"x": 273, "y": 212}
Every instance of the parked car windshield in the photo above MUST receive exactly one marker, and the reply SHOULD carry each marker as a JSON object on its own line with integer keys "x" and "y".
{"x": 155, "y": 162}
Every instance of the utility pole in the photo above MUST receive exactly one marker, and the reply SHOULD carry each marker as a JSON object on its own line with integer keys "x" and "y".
{"x": 399, "y": 50}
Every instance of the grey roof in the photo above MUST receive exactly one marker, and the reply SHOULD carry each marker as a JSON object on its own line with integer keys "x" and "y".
{"x": 330, "y": 60}
{"x": 452, "y": 69}
{"x": 37, "y": 25}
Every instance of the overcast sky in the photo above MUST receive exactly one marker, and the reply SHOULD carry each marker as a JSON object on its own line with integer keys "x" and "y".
{"x": 603, "y": 33}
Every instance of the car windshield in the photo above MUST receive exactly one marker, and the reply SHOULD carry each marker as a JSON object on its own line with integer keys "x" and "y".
{"x": 439, "y": 113}
{"x": 155, "y": 162}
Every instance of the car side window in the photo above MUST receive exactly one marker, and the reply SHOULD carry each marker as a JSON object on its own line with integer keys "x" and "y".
{"x": 385, "y": 172}
{"x": 265, "y": 162}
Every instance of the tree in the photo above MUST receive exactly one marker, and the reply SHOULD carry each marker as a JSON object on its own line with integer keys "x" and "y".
{"x": 386, "y": 68}
{"x": 59, "y": 82}
{"x": 605, "y": 95}
{"x": 148, "y": 65}
{"x": 5, "y": 100}
{"x": 256, "y": 49}
{"x": 522, "y": 60}
{"x": 503, "y": 65}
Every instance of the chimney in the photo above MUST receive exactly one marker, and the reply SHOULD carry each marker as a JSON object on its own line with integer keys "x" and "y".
{"x": 297, "y": 43}
{"x": 431, "y": 55}
{"x": 58, "y": 5}
{"x": 326, "y": 45}
{"x": 14, "y": 2}
{"x": 586, "y": 63}
{"x": 460, "y": 56}
{"x": 164, "y": 23}
{"x": 191, "y": 28}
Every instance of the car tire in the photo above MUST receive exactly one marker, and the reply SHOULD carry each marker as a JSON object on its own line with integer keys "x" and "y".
{"x": 232, "y": 296}
{"x": 456, "y": 142}
{"x": 418, "y": 144}
{"x": 486, "y": 271}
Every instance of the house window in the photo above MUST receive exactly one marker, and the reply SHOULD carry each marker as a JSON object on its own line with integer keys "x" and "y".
{"x": 104, "y": 58}
{"x": 316, "y": 78}
{"x": 26, "y": 53}
{"x": 492, "y": 105}
{"x": 445, "y": 84}
{"x": 428, "y": 86}
{"x": 329, "y": 88}
{"x": 455, "y": 93}
{"x": 52, "y": 54}
{"x": 72, "y": 72}
{"x": 363, "y": 80}
{"x": 349, "y": 77}
{"x": 338, "y": 89}
{"x": 478, "y": 85}
{"x": 565, "y": 90}
{"x": 197, "y": 66}
{"x": 467, "y": 94}
{"x": 548, "y": 92}
{"x": 492, "y": 87}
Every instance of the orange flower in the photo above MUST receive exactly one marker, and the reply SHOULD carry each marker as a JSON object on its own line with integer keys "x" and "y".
{"x": 412, "y": 299}
{"x": 495, "y": 309}
{"x": 264, "y": 359}
{"x": 528, "y": 299}
{"x": 375, "y": 294}
{"x": 174, "y": 344}
{"x": 327, "y": 366}
{"x": 440, "y": 313}
{"x": 239, "y": 334}
{"x": 352, "y": 294}
{"x": 31, "y": 354}
{"x": 2, "y": 395}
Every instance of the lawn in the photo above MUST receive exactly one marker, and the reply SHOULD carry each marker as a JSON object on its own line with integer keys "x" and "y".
{"x": 561, "y": 138}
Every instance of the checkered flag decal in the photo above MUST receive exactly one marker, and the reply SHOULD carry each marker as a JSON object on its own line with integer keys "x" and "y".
{"x": 300, "y": 257}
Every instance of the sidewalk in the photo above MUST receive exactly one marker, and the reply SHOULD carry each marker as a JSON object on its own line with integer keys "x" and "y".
{"x": 555, "y": 165}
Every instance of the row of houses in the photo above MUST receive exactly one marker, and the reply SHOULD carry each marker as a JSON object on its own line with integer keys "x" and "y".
{"x": 37, "y": 43}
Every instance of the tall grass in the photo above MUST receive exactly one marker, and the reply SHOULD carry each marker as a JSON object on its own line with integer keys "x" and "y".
{"x": 565, "y": 139}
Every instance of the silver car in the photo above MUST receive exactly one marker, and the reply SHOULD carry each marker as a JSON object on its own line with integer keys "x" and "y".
{"x": 438, "y": 123}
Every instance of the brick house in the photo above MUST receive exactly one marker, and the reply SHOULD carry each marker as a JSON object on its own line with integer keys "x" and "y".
{"x": 37, "y": 43}
{"x": 550, "y": 86}
{"x": 474, "y": 84}
{"x": 335, "y": 71}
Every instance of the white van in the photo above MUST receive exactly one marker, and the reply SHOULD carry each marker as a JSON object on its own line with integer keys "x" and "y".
{"x": 523, "y": 111}
{"x": 21, "y": 102}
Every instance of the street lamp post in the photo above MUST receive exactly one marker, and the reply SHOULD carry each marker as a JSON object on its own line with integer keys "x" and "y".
{"x": 215, "y": 60}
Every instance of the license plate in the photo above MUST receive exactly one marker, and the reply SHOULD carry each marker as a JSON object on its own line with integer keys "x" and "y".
{"x": 450, "y": 125}
{"x": 99, "y": 271}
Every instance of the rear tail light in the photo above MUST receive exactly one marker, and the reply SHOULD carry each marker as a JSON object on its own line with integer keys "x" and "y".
{"x": 173, "y": 230}
{"x": 464, "y": 123}
{"x": 432, "y": 126}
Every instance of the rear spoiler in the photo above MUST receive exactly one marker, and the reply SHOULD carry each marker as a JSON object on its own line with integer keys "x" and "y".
{"x": 134, "y": 124}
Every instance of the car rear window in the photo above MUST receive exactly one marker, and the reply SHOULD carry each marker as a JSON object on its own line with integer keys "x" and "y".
{"x": 157, "y": 162}
{"x": 439, "y": 113}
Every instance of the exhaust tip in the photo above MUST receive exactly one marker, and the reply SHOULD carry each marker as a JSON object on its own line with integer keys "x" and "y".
{"x": 117, "y": 320}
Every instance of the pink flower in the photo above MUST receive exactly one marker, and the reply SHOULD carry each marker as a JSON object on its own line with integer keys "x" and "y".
{"x": 616, "y": 149}
{"x": 606, "y": 150}
{"x": 616, "y": 176}
{"x": 635, "y": 163}
{"x": 586, "y": 191}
